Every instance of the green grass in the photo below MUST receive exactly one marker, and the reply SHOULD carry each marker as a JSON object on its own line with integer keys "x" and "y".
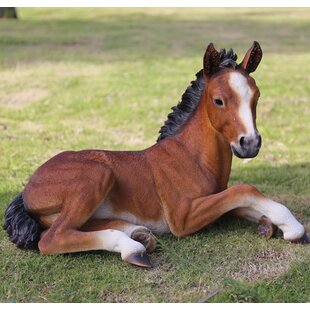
{"x": 106, "y": 78}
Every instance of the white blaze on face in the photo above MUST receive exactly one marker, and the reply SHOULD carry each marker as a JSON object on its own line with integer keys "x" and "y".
{"x": 240, "y": 86}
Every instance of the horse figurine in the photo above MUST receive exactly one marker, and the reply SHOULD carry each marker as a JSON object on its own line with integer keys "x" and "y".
{"x": 114, "y": 200}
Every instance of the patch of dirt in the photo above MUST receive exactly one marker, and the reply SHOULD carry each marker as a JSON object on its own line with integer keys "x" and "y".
{"x": 264, "y": 264}
{"x": 23, "y": 98}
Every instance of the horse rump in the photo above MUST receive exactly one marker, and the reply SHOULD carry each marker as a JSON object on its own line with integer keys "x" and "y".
{"x": 22, "y": 229}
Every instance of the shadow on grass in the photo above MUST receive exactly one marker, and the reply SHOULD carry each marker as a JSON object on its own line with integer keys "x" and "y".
{"x": 136, "y": 36}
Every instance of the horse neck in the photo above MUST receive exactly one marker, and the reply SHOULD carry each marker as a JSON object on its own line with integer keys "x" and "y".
{"x": 201, "y": 139}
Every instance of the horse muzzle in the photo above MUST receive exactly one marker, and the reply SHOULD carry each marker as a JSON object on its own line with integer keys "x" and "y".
{"x": 247, "y": 146}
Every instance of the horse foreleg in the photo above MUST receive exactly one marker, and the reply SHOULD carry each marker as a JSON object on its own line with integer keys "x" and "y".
{"x": 193, "y": 215}
{"x": 139, "y": 233}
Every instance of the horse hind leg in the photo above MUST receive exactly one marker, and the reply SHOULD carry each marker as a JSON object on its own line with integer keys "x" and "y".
{"x": 70, "y": 241}
{"x": 65, "y": 235}
{"x": 107, "y": 236}
{"x": 136, "y": 232}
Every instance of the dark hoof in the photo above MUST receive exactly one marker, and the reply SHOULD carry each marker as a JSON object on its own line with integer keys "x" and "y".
{"x": 146, "y": 238}
{"x": 139, "y": 259}
{"x": 266, "y": 228}
{"x": 303, "y": 240}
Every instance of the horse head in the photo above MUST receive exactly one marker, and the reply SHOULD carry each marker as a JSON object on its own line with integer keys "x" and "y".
{"x": 231, "y": 98}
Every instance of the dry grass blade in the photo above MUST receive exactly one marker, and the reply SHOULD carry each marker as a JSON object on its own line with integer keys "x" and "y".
{"x": 211, "y": 294}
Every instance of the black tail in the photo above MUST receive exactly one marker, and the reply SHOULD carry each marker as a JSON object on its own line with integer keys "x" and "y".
{"x": 22, "y": 229}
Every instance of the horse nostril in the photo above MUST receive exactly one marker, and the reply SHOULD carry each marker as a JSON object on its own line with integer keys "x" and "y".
{"x": 248, "y": 146}
{"x": 247, "y": 142}
{"x": 242, "y": 141}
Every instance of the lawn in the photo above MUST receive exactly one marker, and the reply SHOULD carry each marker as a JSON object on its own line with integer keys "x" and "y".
{"x": 106, "y": 79}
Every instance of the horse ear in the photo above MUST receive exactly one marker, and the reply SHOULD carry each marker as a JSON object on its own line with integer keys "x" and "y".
{"x": 211, "y": 60}
{"x": 252, "y": 58}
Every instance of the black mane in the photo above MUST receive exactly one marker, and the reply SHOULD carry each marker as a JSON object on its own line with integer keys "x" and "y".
{"x": 190, "y": 99}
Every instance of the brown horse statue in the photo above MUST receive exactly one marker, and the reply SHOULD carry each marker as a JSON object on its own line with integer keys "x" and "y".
{"x": 114, "y": 200}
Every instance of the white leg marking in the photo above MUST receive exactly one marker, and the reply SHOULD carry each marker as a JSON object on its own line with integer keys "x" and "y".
{"x": 117, "y": 241}
{"x": 282, "y": 217}
{"x": 240, "y": 85}
{"x": 279, "y": 215}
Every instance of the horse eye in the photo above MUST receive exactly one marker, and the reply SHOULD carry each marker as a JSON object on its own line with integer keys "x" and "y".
{"x": 218, "y": 102}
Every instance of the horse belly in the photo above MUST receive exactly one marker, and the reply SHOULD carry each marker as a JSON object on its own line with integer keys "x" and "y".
{"x": 107, "y": 211}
